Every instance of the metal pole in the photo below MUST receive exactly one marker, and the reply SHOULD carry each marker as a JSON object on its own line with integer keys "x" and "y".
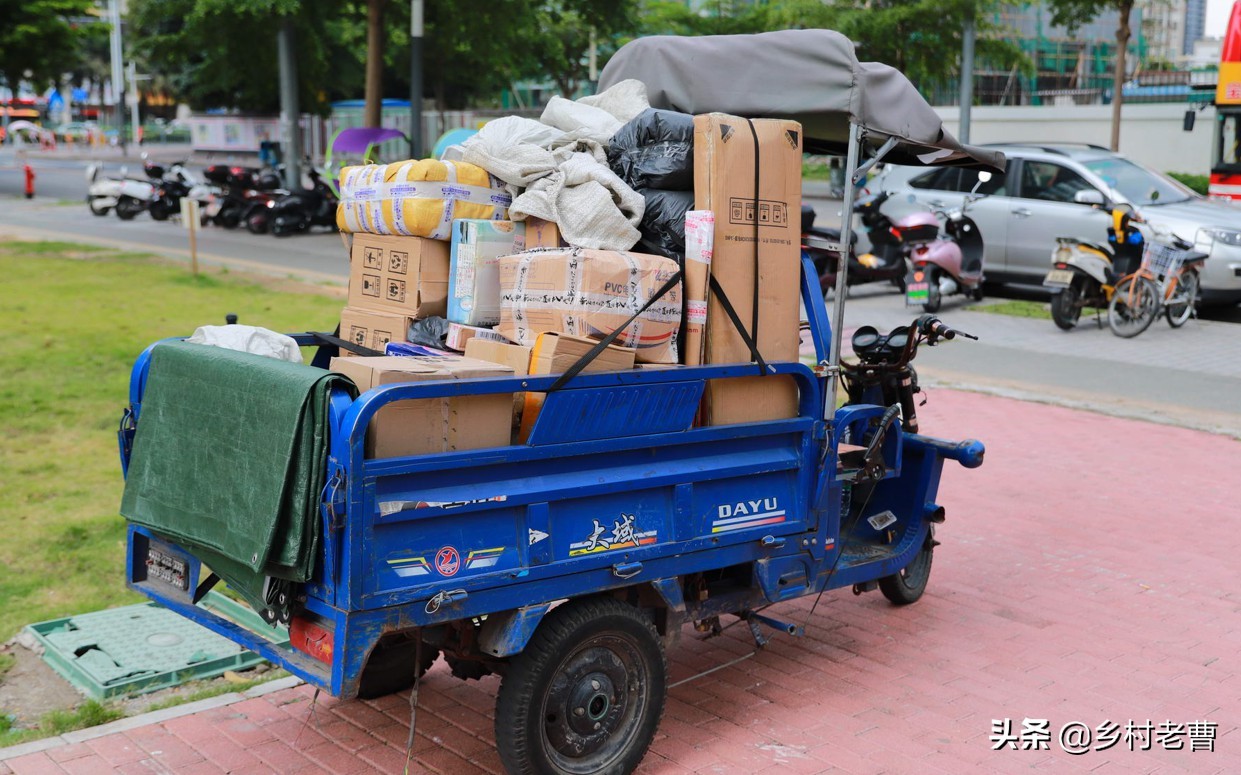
{"x": 289, "y": 110}
{"x": 967, "y": 77}
{"x": 415, "y": 79}
{"x": 118, "y": 71}
{"x": 135, "y": 119}
{"x": 842, "y": 269}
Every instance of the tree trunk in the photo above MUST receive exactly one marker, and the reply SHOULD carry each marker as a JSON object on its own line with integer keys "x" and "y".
{"x": 374, "y": 61}
{"x": 1125, "y": 7}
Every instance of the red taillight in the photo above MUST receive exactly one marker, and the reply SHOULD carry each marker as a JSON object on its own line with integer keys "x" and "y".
{"x": 895, "y": 232}
{"x": 1061, "y": 265}
{"x": 311, "y": 639}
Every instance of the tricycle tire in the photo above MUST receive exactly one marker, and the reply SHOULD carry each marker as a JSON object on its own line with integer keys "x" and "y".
{"x": 907, "y": 585}
{"x": 392, "y": 667}
{"x": 586, "y": 694}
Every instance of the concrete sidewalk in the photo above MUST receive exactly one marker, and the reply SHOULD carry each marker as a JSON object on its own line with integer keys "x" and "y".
{"x": 1086, "y": 577}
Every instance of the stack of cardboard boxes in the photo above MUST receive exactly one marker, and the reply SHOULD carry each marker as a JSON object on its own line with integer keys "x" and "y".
{"x": 746, "y": 239}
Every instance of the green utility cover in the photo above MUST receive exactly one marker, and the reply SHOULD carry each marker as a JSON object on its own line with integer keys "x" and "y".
{"x": 144, "y": 648}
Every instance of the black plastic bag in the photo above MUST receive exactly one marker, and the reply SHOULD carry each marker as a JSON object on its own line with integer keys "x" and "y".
{"x": 663, "y": 223}
{"x": 429, "y": 332}
{"x": 655, "y": 150}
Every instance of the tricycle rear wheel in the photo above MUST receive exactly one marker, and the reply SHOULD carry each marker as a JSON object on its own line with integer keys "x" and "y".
{"x": 586, "y": 694}
{"x": 393, "y": 665}
{"x": 908, "y": 584}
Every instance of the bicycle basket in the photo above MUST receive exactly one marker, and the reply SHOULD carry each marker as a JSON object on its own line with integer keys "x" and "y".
{"x": 1162, "y": 260}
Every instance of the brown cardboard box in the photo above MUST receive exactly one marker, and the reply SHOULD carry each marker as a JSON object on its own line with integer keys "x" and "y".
{"x": 429, "y": 425}
{"x": 590, "y": 293}
{"x": 555, "y": 353}
{"x": 515, "y": 356}
{"x": 407, "y": 275}
{"x": 459, "y": 335}
{"x": 372, "y": 329}
{"x": 724, "y": 173}
{"x": 542, "y": 234}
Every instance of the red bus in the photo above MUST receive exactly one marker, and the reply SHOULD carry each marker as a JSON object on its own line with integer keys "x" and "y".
{"x": 1226, "y": 157}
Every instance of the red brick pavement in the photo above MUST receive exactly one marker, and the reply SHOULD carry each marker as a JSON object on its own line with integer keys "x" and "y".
{"x": 1086, "y": 575}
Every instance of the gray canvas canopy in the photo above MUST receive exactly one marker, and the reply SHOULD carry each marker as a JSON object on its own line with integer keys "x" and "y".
{"x": 810, "y": 76}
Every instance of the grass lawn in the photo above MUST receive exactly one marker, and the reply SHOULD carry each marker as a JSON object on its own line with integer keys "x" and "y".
{"x": 1017, "y": 309}
{"x": 78, "y": 316}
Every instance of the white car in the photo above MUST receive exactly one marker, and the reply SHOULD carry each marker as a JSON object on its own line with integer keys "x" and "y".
{"x": 1066, "y": 190}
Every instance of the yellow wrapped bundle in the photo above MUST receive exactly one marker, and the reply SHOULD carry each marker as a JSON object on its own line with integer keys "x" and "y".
{"x": 417, "y": 198}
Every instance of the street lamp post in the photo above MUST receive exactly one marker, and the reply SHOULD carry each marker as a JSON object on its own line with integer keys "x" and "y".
{"x": 118, "y": 72}
{"x": 415, "y": 78}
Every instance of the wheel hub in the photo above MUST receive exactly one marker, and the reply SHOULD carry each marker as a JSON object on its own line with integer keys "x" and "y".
{"x": 588, "y": 703}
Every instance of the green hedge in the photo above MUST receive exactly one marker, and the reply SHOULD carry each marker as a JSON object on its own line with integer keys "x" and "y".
{"x": 1196, "y": 182}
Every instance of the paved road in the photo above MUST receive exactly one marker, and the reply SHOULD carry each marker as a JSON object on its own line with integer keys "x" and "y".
{"x": 1189, "y": 376}
{"x": 1084, "y": 576}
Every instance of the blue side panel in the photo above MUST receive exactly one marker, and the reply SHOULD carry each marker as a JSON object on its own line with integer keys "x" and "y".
{"x": 609, "y": 413}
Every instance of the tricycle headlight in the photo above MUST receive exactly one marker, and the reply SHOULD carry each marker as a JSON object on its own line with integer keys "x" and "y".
{"x": 1226, "y": 236}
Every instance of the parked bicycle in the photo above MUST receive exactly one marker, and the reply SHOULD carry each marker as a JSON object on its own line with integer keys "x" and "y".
{"x": 1167, "y": 281}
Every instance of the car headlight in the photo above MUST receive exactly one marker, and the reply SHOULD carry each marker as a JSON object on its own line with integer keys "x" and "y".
{"x": 1226, "y": 236}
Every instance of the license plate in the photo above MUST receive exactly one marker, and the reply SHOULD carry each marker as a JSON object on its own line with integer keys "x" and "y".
{"x": 167, "y": 568}
{"x": 1059, "y": 278}
{"x": 916, "y": 293}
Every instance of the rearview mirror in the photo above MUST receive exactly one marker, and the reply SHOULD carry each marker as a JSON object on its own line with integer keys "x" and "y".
{"x": 984, "y": 177}
{"x": 1187, "y": 123}
{"x": 1088, "y": 196}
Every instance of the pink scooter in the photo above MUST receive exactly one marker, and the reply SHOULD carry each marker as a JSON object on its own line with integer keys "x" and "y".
{"x": 948, "y": 264}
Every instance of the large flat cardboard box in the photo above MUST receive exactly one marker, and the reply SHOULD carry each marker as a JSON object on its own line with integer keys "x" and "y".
{"x": 430, "y": 425}
{"x": 590, "y": 293}
{"x": 756, "y": 240}
{"x": 474, "y": 275}
{"x": 367, "y": 328}
{"x": 555, "y": 353}
{"x": 405, "y": 275}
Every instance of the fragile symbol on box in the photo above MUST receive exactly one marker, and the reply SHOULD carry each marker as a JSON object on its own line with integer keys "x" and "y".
{"x": 770, "y": 213}
{"x": 380, "y": 339}
{"x": 396, "y": 290}
{"x": 370, "y": 285}
{"x": 398, "y": 262}
{"x": 372, "y": 258}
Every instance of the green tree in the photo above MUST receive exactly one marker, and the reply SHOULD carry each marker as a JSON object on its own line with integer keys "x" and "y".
{"x": 39, "y": 39}
{"x": 1071, "y": 14}
{"x": 560, "y": 34}
{"x": 921, "y": 38}
{"x": 222, "y": 53}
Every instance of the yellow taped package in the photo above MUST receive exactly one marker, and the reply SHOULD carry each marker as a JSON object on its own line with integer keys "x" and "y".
{"x": 417, "y": 198}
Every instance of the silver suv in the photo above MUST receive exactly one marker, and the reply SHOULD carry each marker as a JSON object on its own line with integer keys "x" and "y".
{"x": 1066, "y": 190}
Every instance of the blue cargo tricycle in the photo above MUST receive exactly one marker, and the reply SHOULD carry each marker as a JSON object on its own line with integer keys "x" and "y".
{"x": 568, "y": 564}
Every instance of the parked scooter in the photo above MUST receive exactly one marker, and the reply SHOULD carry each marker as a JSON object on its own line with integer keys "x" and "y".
{"x": 1084, "y": 274}
{"x": 244, "y": 190}
{"x": 886, "y": 262}
{"x": 127, "y": 196}
{"x": 951, "y": 263}
{"x": 176, "y": 184}
{"x": 299, "y": 211}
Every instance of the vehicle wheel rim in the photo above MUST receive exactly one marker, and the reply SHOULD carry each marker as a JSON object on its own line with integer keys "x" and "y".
{"x": 1131, "y": 316}
{"x": 1181, "y": 306}
{"x": 594, "y": 703}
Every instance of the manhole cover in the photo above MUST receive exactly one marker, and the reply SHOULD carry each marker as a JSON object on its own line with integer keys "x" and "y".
{"x": 143, "y": 648}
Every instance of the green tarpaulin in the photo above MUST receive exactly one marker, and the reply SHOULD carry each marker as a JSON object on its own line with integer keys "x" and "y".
{"x": 229, "y": 461}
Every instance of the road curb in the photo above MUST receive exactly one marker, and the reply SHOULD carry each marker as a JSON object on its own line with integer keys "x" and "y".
{"x": 145, "y": 719}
